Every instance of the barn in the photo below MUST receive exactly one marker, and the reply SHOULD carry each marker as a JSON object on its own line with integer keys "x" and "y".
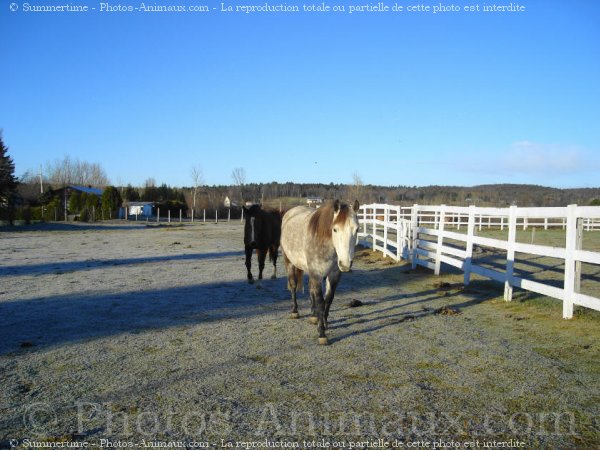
{"x": 66, "y": 192}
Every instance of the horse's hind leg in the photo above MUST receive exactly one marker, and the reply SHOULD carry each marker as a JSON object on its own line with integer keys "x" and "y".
{"x": 316, "y": 290}
{"x": 273, "y": 257}
{"x": 249, "y": 264}
{"x": 292, "y": 273}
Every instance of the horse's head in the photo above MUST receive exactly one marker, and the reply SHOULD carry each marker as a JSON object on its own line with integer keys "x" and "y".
{"x": 344, "y": 233}
{"x": 253, "y": 226}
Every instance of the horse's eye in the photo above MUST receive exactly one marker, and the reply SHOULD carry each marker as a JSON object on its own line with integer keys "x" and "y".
{"x": 335, "y": 230}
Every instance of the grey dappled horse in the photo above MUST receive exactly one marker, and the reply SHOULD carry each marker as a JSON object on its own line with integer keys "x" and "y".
{"x": 321, "y": 244}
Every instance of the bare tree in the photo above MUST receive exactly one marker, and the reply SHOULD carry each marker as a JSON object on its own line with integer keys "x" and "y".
{"x": 67, "y": 171}
{"x": 356, "y": 190}
{"x": 198, "y": 180}
{"x": 238, "y": 176}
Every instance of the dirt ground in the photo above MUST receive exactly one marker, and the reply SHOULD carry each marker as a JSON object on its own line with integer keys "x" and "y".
{"x": 124, "y": 334}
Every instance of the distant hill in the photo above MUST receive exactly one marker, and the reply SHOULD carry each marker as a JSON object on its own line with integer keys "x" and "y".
{"x": 482, "y": 195}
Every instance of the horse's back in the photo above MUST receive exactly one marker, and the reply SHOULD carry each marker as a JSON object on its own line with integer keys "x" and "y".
{"x": 297, "y": 212}
{"x": 293, "y": 233}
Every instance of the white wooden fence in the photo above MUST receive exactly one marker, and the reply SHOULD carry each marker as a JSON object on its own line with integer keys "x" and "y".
{"x": 418, "y": 234}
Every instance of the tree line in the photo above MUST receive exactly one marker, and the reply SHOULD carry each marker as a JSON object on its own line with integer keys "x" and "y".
{"x": 35, "y": 197}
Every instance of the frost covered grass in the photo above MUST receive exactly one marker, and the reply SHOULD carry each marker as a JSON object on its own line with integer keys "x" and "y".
{"x": 128, "y": 331}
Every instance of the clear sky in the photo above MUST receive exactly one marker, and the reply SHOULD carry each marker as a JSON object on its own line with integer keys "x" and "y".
{"x": 401, "y": 98}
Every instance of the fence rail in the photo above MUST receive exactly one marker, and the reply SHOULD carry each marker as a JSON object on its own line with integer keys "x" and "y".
{"x": 430, "y": 235}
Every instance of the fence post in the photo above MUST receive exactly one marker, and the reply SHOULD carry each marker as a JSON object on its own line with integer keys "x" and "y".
{"x": 157, "y": 215}
{"x": 414, "y": 225}
{"x": 578, "y": 246}
{"x": 469, "y": 244}
{"x": 217, "y": 215}
{"x": 386, "y": 217}
{"x": 399, "y": 240}
{"x": 510, "y": 253}
{"x": 440, "y": 240}
{"x": 242, "y": 218}
{"x": 180, "y": 218}
{"x": 204, "y": 215}
{"x": 192, "y": 215}
{"x": 373, "y": 219}
{"x": 169, "y": 215}
{"x": 570, "y": 247}
{"x": 228, "y": 214}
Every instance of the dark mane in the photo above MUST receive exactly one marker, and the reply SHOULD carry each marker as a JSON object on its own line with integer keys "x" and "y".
{"x": 321, "y": 222}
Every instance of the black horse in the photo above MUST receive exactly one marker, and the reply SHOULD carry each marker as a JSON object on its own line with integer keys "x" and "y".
{"x": 263, "y": 233}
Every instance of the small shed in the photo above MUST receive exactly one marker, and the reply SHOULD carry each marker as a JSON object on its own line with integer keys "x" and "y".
{"x": 140, "y": 208}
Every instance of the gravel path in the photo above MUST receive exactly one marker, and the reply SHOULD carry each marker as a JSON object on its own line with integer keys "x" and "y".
{"x": 128, "y": 332}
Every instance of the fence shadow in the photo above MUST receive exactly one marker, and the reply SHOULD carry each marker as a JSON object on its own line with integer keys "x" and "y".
{"x": 76, "y": 266}
{"x": 71, "y": 226}
{"x": 400, "y": 308}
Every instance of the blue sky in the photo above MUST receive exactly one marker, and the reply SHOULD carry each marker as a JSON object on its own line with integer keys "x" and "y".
{"x": 400, "y": 98}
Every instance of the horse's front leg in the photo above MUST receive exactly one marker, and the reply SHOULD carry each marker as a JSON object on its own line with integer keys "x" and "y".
{"x": 261, "y": 253}
{"x": 330, "y": 285}
{"x": 249, "y": 263}
{"x": 316, "y": 291}
{"x": 313, "y": 310}
{"x": 273, "y": 257}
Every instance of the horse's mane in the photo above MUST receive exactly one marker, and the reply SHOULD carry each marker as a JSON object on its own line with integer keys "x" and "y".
{"x": 321, "y": 222}
{"x": 257, "y": 209}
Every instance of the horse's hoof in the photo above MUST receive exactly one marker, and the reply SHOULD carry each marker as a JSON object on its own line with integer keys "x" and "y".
{"x": 250, "y": 281}
{"x": 273, "y": 277}
{"x": 323, "y": 341}
{"x": 294, "y": 315}
{"x": 314, "y": 320}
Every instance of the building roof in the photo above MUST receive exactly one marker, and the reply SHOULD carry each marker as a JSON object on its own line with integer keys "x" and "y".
{"x": 140, "y": 203}
{"x": 86, "y": 189}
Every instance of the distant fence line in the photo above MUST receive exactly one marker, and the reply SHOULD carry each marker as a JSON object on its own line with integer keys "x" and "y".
{"x": 205, "y": 215}
{"x": 417, "y": 234}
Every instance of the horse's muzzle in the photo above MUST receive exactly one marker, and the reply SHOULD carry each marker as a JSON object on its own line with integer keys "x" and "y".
{"x": 343, "y": 267}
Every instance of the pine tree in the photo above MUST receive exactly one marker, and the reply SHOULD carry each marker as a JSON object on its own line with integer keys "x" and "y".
{"x": 8, "y": 182}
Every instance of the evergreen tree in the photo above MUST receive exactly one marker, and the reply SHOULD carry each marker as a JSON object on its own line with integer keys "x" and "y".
{"x": 111, "y": 201}
{"x": 8, "y": 182}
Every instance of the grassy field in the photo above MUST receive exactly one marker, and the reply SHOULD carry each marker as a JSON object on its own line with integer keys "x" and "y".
{"x": 131, "y": 332}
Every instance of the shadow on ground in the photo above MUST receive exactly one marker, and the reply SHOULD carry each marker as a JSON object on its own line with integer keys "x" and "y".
{"x": 41, "y": 322}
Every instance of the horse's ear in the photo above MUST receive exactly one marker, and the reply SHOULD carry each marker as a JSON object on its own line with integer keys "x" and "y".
{"x": 336, "y": 206}
{"x": 356, "y": 206}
